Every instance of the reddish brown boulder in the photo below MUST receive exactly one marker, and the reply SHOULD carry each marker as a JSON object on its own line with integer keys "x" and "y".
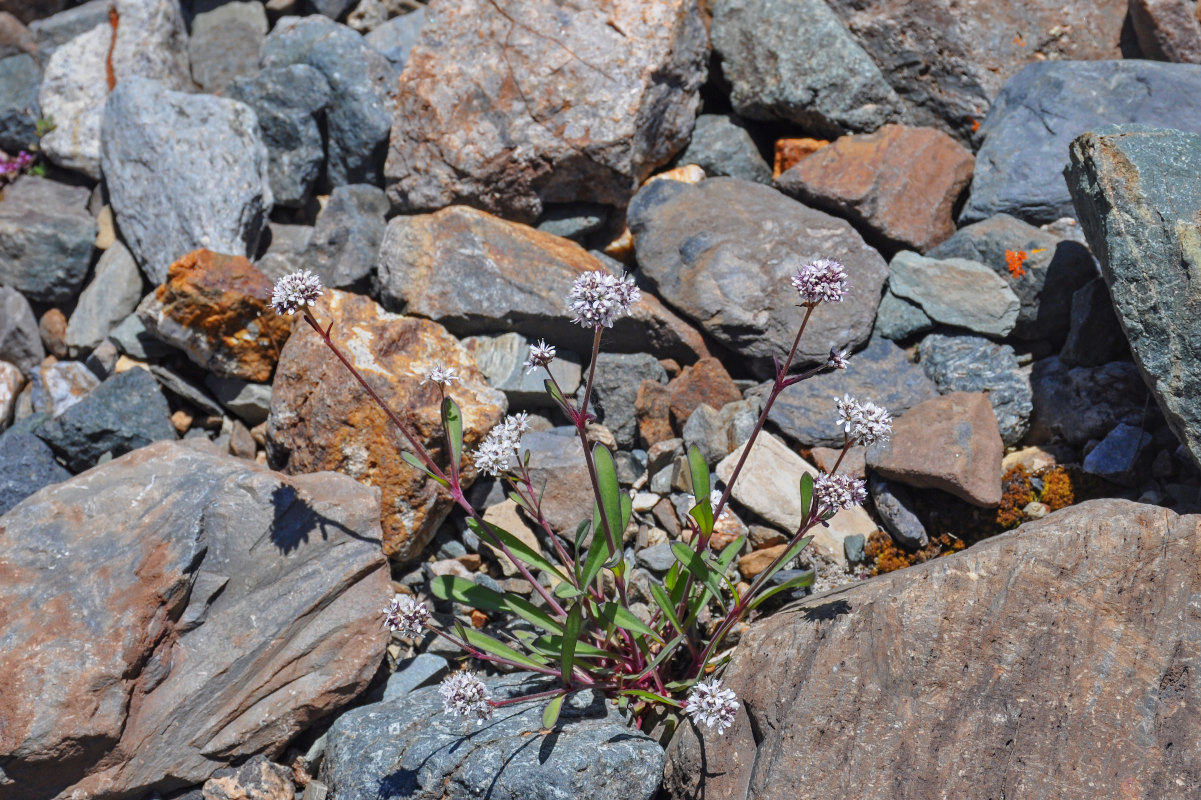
{"x": 321, "y": 419}
{"x": 1168, "y": 30}
{"x": 217, "y": 309}
{"x": 652, "y": 409}
{"x": 1056, "y": 661}
{"x": 951, "y": 443}
{"x": 706, "y": 381}
{"x": 898, "y": 184}
{"x": 790, "y": 152}
{"x": 53, "y": 329}
{"x": 257, "y": 779}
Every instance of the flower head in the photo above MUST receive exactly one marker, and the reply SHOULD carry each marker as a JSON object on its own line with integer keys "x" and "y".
{"x": 711, "y": 705}
{"x": 407, "y": 615}
{"x": 598, "y": 298}
{"x": 443, "y": 376}
{"x": 502, "y": 444}
{"x": 293, "y": 292}
{"x": 541, "y": 355}
{"x": 463, "y": 694}
{"x": 838, "y": 358}
{"x": 821, "y": 281}
{"x": 865, "y": 423}
{"x": 838, "y": 491}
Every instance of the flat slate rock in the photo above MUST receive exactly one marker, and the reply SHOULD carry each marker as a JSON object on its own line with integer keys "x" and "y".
{"x": 46, "y": 238}
{"x": 20, "y": 77}
{"x": 409, "y": 749}
{"x": 955, "y": 291}
{"x": 722, "y": 252}
{"x": 20, "y": 342}
{"x": 721, "y": 145}
{"x": 975, "y": 364}
{"x": 1138, "y": 198}
{"x": 1048, "y": 104}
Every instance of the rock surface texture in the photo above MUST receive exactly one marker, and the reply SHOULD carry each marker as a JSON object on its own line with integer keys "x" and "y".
{"x": 509, "y": 104}
{"x": 190, "y": 552}
{"x": 1081, "y": 640}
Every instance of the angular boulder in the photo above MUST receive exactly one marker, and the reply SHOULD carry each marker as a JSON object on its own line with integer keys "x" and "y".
{"x": 46, "y": 238}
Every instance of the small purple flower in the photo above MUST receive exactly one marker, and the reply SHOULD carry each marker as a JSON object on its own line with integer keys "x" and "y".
{"x": 838, "y": 491}
{"x": 293, "y": 292}
{"x": 464, "y": 694}
{"x": 711, "y": 705}
{"x": 865, "y": 423}
{"x": 820, "y": 281}
{"x": 598, "y": 298}
{"x": 838, "y": 359}
{"x": 541, "y": 355}
{"x": 407, "y": 615}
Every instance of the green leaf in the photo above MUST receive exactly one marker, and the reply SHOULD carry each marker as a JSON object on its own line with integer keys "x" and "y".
{"x": 666, "y": 606}
{"x": 806, "y": 495}
{"x": 461, "y": 590}
{"x": 730, "y": 553}
{"x": 550, "y": 714}
{"x": 622, "y": 617}
{"x": 598, "y": 553}
{"x": 792, "y": 553}
{"x": 413, "y": 460}
{"x": 452, "y": 421}
{"x": 801, "y": 581}
{"x": 695, "y": 564}
{"x": 489, "y": 645}
{"x": 553, "y": 646}
{"x": 557, "y": 396}
{"x": 702, "y": 512}
{"x": 654, "y": 698}
{"x": 699, "y": 472}
{"x": 662, "y": 655}
{"x": 493, "y": 534}
{"x": 571, "y": 635}
{"x": 610, "y": 490}
{"x": 675, "y": 586}
{"x": 565, "y": 591}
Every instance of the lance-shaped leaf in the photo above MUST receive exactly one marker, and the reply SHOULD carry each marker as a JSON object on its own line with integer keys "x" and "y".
{"x": 550, "y": 714}
{"x": 789, "y": 555}
{"x": 666, "y": 606}
{"x": 806, "y": 495}
{"x": 493, "y": 534}
{"x": 802, "y": 581}
{"x": 501, "y": 650}
{"x": 610, "y": 490}
{"x": 413, "y": 460}
{"x": 461, "y": 590}
{"x": 622, "y": 617}
{"x": 452, "y": 421}
{"x": 571, "y": 635}
{"x": 699, "y": 472}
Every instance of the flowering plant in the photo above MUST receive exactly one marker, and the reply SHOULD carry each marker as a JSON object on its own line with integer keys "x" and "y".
{"x": 584, "y": 633}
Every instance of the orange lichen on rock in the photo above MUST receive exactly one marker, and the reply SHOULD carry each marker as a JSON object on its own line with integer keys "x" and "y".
{"x": 1016, "y": 493}
{"x": 1057, "y": 490}
{"x": 888, "y": 556}
{"x": 1014, "y": 260}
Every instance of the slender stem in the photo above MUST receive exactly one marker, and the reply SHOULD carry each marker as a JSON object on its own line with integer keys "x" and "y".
{"x": 527, "y": 697}
{"x": 482, "y": 655}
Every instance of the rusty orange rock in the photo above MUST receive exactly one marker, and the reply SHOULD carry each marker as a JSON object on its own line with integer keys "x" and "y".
{"x": 790, "y": 152}
{"x": 706, "y": 381}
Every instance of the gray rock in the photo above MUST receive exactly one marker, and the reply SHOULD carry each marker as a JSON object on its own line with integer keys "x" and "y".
{"x": 898, "y": 319}
{"x": 1053, "y": 269}
{"x": 250, "y": 402}
{"x": 124, "y": 413}
{"x": 134, "y": 340}
{"x": 894, "y": 506}
{"x": 658, "y": 559}
{"x": 1123, "y": 456}
{"x": 1083, "y": 403}
{"x": 581, "y": 105}
{"x": 974, "y": 364}
{"x": 111, "y": 296}
{"x": 53, "y": 388}
{"x": 956, "y": 292}
{"x": 362, "y": 87}
{"x": 1094, "y": 336}
{"x": 346, "y": 238}
{"x": 618, "y": 376}
{"x": 557, "y": 463}
{"x": 855, "y": 548}
{"x": 718, "y": 432}
{"x": 1137, "y": 196}
{"x": 29, "y": 465}
{"x": 290, "y": 103}
{"x": 20, "y": 342}
{"x": 334, "y": 9}
{"x": 285, "y": 253}
{"x": 414, "y": 673}
{"x": 408, "y": 748}
{"x": 184, "y": 389}
{"x": 881, "y": 373}
{"x": 573, "y": 220}
{"x": 397, "y": 37}
{"x": 721, "y": 145}
{"x": 502, "y": 360}
{"x": 1047, "y": 105}
{"x": 722, "y": 252}
{"x": 46, "y": 238}
{"x": 795, "y": 60}
{"x": 184, "y": 172}
{"x": 225, "y": 42}
{"x": 54, "y": 31}
{"x": 20, "y": 78}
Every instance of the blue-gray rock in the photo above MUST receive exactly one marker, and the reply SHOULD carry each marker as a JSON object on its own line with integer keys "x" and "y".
{"x": 397, "y": 37}
{"x": 184, "y": 172}
{"x": 46, "y": 239}
{"x": 290, "y": 103}
{"x": 362, "y": 84}
{"x": 346, "y": 237}
{"x": 721, "y": 145}
{"x": 658, "y": 558}
{"x": 53, "y": 388}
{"x": 502, "y": 360}
{"x": 125, "y": 412}
{"x": 881, "y": 373}
{"x": 225, "y": 41}
{"x": 250, "y": 402}
{"x": 1053, "y": 269}
{"x": 1137, "y": 196}
{"x": 413, "y": 673}
{"x": 334, "y": 9}
{"x": 20, "y": 342}
{"x": 1094, "y": 336}
{"x": 795, "y": 60}
{"x": 408, "y": 748}
{"x": 854, "y": 547}
{"x": 618, "y": 376}
{"x": 185, "y": 389}
{"x": 722, "y": 251}
{"x": 975, "y": 364}
{"x": 717, "y": 432}
{"x": 64, "y": 26}
{"x": 285, "y": 253}
{"x": 1122, "y": 457}
{"x": 1048, "y": 104}
{"x": 573, "y": 220}
{"x": 894, "y": 506}
{"x": 134, "y": 340}
{"x": 1082, "y": 403}
{"x": 898, "y": 319}
{"x": 111, "y": 296}
{"x": 956, "y": 292}
{"x": 29, "y": 464}
{"x": 20, "y": 78}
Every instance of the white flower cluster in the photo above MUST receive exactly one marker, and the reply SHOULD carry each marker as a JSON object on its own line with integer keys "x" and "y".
{"x": 711, "y": 705}
{"x": 839, "y": 491}
{"x": 292, "y": 292}
{"x": 464, "y": 694}
{"x": 502, "y": 444}
{"x": 598, "y": 298}
{"x": 821, "y": 281}
{"x": 443, "y": 376}
{"x": 407, "y": 615}
{"x": 541, "y": 355}
{"x": 865, "y": 423}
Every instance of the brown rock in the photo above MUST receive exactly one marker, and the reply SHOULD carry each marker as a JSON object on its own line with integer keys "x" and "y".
{"x": 665, "y": 514}
{"x": 216, "y": 308}
{"x": 11, "y": 383}
{"x": 53, "y": 329}
{"x": 507, "y": 106}
{"x": 756, "y": 561}
{"x": 1052, "y": 662}
{"x": 29, "y": 10}
{"x": 652, "y": 409}
{"x": 520, "y": 278}
{"x": 1168, "y": 30}
{"x": 706, "y": 381}
{"x": 558, "y": 469}
{"x": 241, "y": 443}
{"x": 898, "y": 184}
{"x": 790, "y": 152}
{"x": 951, "y": 443}
{"x": 175, "y": 610}
{"x": 257, "y": 779}
{"x": 322, "y": 420}
{"x": 505, "y": 515}
{"x": 854, "y": 463}
{"x": 15, "y": 38}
